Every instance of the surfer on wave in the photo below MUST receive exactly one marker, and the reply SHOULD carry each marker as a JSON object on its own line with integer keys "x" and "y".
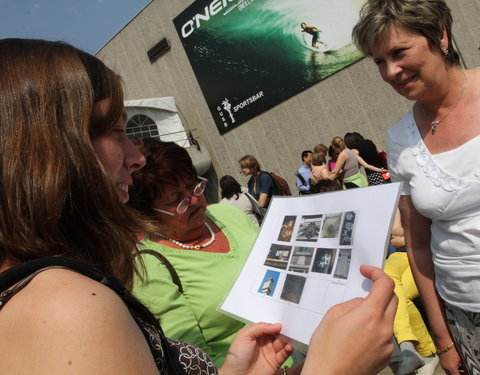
{"x": 314, "y": 32}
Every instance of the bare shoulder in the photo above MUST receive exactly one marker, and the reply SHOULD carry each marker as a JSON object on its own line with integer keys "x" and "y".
{"x": 66, "y": 322}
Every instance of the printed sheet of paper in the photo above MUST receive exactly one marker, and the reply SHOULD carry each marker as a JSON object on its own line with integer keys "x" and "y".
{"x": 308, "y": 254}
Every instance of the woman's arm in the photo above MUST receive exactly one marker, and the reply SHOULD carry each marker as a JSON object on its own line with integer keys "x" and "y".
{"x": 365, "y": 165}
{"x": 264, "y": 186}
{"x": 417, "y": 238}
{"x": 262, "y": 199}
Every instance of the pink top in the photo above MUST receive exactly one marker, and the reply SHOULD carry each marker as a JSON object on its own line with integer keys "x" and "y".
{"x": 316, "y": 173}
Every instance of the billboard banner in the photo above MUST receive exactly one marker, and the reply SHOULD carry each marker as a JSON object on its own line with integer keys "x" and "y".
{"x": 250, "y": 55}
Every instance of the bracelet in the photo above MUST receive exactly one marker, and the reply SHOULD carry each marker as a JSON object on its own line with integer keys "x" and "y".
{"x": 446, "y": 349}
{"x": 284, "y": 370}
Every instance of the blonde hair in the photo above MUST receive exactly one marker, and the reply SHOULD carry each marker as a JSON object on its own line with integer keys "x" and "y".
{"x": 425, "y": 17}
{"x": 338, "y": 143}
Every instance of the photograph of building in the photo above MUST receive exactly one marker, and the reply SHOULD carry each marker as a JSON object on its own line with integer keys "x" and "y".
{"x": 278, "y": 256}
{"x": 293, "y": 288}
{"x": 301, "y": 259}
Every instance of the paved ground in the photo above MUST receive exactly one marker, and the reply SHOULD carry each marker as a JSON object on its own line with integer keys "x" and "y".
{"x": 388, "y": 371}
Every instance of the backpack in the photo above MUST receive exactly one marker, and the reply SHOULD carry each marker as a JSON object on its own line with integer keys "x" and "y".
{"x": 281, "y": 186}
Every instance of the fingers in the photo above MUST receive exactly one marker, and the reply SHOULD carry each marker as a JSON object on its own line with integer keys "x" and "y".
{"x": 344, "y": 307}
{"x": 258, "y": 330}
{"x": 381, "y": 293}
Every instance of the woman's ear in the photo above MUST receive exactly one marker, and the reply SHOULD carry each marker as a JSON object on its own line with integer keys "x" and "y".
{"x": 444, "y": 39}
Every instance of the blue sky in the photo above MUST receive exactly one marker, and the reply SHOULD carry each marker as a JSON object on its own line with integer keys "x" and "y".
{"x": 87, "y": 24}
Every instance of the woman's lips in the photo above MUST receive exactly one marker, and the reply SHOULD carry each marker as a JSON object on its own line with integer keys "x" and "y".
{"x": 123, "y": 192}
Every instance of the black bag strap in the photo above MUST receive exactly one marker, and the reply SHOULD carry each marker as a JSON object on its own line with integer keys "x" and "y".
{"x": 302, "y": 180}
{"x": 23, "y": 270}
{"x": 167, "y": 264}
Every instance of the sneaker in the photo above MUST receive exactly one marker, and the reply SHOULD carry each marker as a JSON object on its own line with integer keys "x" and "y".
{"x": 431, "y": 363}
{"x": 409, "y": 362}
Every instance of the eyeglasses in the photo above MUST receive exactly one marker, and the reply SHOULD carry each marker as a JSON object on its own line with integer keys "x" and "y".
{"x": 185, "y": 203}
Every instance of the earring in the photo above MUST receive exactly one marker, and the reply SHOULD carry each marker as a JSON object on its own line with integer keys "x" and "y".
{"x": 446, "y": 52}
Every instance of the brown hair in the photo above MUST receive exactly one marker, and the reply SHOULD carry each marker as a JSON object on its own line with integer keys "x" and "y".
{"x": 55, "y": 198}
{"x": 250, "y": 162}
{"x": 321, "y": 148}
{"x": 425, "y": 17}
{"x": 318, "y": 158}
{"x": 324, "y": 186}
{"x": 167, "y": 163}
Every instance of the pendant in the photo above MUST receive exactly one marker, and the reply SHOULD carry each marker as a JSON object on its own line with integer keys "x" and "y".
{"x": 434, "y": 126}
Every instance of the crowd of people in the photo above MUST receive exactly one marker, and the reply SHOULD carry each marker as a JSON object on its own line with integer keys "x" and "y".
{"x": 112, "y": 262}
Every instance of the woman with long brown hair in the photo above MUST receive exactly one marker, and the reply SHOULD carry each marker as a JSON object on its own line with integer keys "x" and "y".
{"x": 67, "y": 241}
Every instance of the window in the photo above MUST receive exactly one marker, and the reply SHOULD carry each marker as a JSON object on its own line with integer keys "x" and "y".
{"x": 142, "y": 126}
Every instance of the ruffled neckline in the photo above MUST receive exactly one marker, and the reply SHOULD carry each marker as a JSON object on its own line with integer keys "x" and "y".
{"x": 425, "y": 161}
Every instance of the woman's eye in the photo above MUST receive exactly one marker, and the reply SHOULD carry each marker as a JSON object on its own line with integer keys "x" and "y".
{"x": 398, "y": 52}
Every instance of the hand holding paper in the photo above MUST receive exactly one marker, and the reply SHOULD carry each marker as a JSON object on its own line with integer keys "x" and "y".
{"x": 355, "y": 337}
{"x": 256, "y": 350}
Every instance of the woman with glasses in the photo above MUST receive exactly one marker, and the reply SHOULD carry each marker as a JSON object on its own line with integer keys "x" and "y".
{"x": 202, "y": 249}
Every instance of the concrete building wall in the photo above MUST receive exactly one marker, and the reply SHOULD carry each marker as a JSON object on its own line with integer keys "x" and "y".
{"x": 354, "y": 99}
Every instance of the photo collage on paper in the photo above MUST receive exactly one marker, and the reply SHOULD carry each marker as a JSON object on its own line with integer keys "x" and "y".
{"x": 308, "y": 256}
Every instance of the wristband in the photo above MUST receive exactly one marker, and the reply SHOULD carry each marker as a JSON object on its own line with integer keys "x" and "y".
{"x": 446, "y": 349}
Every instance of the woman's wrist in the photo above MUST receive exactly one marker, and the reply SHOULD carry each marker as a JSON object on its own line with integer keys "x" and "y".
{"x": 445, "y": 349}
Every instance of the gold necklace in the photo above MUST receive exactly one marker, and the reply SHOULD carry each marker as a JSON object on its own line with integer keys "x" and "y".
{"x": 434, "y": 123}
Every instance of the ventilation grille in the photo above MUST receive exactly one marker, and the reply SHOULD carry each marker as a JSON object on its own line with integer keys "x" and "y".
{"x": 158, "y": 50}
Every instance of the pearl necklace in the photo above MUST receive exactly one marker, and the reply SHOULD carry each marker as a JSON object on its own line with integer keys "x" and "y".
{"x": 434, "y": 123}
{"x": 189, "y": 247}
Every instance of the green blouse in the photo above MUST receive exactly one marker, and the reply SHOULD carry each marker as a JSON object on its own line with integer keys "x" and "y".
{"x": 206, "y": 278}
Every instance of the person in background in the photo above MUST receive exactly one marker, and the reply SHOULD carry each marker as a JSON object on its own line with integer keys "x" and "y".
{"x": 325, "y": 185}
{"x": 332, "y": 161}
{"x": 321, "y": 148}
{"x": 367, "y": 150}
{"x": 349, "y": 163}
{"x": 260, "y": 185}
{"x": 302, "y": 175}
{"x": 319, "y": 169}
{"x": 432, "y": 150}
{"x": 231, "y": 193}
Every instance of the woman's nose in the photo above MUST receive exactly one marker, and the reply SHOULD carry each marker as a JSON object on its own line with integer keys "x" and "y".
{"x": 393, "y": 70}
{"x": 134, "y": 159}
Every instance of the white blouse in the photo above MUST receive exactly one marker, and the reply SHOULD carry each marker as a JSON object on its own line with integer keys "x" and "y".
{"x": 445, "y": 188}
